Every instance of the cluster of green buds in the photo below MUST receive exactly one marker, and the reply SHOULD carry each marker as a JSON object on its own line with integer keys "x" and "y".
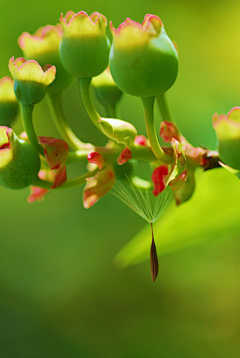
{"x": 141, "y": 61}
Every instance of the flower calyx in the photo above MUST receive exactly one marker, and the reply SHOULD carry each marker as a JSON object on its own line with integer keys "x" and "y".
{"x": 19, "y": 161}
{"x": 227, "y": 128}
{"x": 43, "y": 47}
{"x": 30, "y": 80}
{"x": 143, "y": 60}
{"x": 84, "y": 48}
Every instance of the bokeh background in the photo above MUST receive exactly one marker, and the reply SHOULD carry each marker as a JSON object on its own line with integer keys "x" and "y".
{"x": 61, "y": 294}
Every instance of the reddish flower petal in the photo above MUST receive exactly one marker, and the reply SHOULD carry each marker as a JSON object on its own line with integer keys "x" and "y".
{"x": 37, "y": 194}
{"x": 158, "y": 176}
{"x": 55, "y": 150}
{"x": 95, "y": 158}
{"x": 168, "y": 131}
{"x": 125, "y": 155}
{"x": 141, "y": 140}
{"x": 98, "y": 186}
{"x": 60, "y": 177}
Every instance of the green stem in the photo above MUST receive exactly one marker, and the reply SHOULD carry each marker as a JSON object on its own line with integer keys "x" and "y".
{"x": 164, "y": 109}
{"x": 148, "y": 105}
{"x": 84, "y": 87}
{"x": 68, "y": 184}
{"x": 27, "y": 111}
{"x": 55, "y": 108}
{"x": 78, "y": 156}
{"x": 111, "y": 111}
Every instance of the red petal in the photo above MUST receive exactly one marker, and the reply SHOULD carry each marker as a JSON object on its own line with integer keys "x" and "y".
{"x": 158, "y": 176}
{"x": 55, "y": 150}
{"x": 168, "y": 130}
{"x": 95, "y": 158}
{"x": 141, "y": 140}
{"x": 60, "y": 177}
{"x": 125, "y": 155}
{"x": 37, "y": 194}
{"x": 98, "y": 186}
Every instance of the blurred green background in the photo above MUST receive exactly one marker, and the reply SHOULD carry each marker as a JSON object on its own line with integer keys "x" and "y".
{"x": 61, "y": 295}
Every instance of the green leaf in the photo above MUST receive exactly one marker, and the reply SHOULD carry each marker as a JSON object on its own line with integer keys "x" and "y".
{"x": 212, "y": 213}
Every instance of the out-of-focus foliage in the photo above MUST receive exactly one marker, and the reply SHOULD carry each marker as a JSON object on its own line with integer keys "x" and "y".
{"x": 60, "y": 294}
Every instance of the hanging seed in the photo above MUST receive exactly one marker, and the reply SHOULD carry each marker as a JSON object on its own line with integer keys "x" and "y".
{"x": 153, "y": 258}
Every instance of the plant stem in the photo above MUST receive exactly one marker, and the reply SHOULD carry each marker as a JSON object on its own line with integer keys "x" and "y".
{"x": 68, "y": 184}
{"x": 84, "y": 87}
{"x": 111, "y": 111}
{"x": 164, "y": 109}
{"x": 77, "y": 156}
{"x": 55, "y": 108}
{"x": 148, "y": 105}
{"x": 27, "y": 111}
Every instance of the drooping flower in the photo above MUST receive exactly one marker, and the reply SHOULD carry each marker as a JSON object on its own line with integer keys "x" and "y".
{"x": 19, "y": 161}
{"x": 84, "y": 49}
{"x": 98, "y": 186}
{"x": 227, "y": 129}
{"x": 95, "y": 158}
{"x": 30, "y": 80}
{"x": 124, "y": 156}
{"x": 56, "y": 153}
{"x": 43, "y": 47}
{"x": 37, "y": 193}
{"x": 143, "y": 60}
{"x": 158, "y": 177}
{"x": 141, "y": 140}
{"x": 168, "y": 131}
{"x": 8, "y": 102}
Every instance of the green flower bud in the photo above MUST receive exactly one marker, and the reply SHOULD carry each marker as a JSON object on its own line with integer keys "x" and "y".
{"x": 228, "y": 133}
{"x": 19, "y": 161}
{"x": 30, "y": 80}
{"x": 43, "y": 47}
{"x": 120, "y": 131}
{"x": 8, "y": 102}
{"x": 105, "y": 89}
{"x": 143, "y": 60}
{"x": 84, "y": 49}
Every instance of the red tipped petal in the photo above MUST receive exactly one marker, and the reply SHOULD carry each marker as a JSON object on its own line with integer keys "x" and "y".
{"x": 37, "y": 194}
{"x": 125, "y": 155}
{"x": 96, "y": 158}
{"x": 168, "y": 131}
{"x": 60, "y": 177}
{"x": 98, "y": 186}
{"x": 55, "y": 150}
{"x": 158, "y": 176}
{"x": 141, "y": 140}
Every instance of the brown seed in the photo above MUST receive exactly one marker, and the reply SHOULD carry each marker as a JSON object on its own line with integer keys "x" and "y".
{"x": 153, "y": 258}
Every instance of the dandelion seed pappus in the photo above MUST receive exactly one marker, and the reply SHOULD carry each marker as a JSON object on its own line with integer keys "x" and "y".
{"x": 146, "y": 205}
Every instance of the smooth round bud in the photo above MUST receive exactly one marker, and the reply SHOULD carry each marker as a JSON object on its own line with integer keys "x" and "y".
{"x": 43, "y": 47}
{"x": 8, "y": 102}
{"x": 228, "y": 133}
{"x": 19, "y": 161}
{"x": 120, "y": 131}
{"x": 143, "y": 59}
{"x": 105, "y": 89}
{"x": 84, "y": 48}
{"x": 30, "y": 80}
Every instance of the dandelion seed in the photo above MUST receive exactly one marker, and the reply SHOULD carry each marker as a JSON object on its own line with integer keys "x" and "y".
{"x": 146, "y": 205}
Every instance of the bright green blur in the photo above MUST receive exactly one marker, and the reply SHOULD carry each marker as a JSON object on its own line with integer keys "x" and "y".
{"x": 61, "y": 296}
